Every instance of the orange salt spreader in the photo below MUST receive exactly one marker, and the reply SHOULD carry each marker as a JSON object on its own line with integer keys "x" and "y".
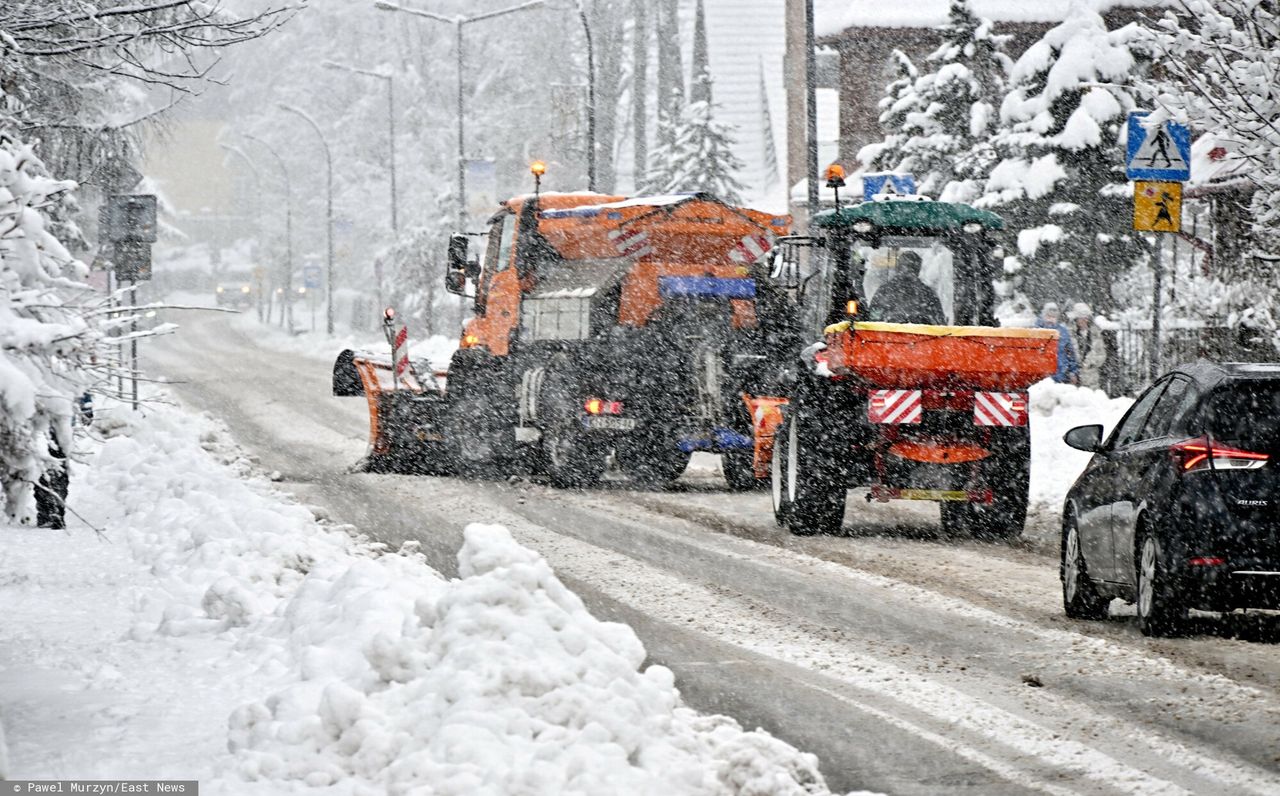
{"x": 920, "y": 410}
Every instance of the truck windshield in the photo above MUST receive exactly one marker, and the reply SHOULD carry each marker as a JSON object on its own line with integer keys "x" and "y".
{"x": 881, "y": 264}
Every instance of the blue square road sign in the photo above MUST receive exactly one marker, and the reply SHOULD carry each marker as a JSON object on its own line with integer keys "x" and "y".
{"x": 1161, "y": 154}
{"x": 887, "y": 184}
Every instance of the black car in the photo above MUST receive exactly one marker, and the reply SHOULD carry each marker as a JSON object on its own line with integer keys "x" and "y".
{"x": 1179, "y": 509}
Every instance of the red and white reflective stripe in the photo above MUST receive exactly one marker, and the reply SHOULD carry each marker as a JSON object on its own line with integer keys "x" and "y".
{"x": 895, "y": 406}
{"x": 631, "y": 243}
{"x": 750, "y": 249}
{"x": 999, "y": 409}
{"x": 400, "y": 353}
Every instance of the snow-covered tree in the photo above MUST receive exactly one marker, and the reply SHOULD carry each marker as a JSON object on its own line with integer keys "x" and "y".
{"x": 1060, "y": 179}
{"x": 938, "y": 124}
{"x": 699, "y": 155}
{"x": 1221, "y": 74}
{"x": 45, "y": 345}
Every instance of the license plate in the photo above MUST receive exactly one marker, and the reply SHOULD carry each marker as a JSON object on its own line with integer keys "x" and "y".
{"x": 610, "y": 423}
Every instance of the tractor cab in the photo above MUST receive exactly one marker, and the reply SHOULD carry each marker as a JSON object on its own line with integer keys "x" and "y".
{"x": 859, "y": 250}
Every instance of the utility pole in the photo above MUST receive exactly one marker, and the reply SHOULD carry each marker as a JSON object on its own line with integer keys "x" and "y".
{"x": 811, "y": 109}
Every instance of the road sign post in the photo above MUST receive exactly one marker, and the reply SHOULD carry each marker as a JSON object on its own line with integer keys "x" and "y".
{"x": 1158, "y": 159}
{"x": 131, "y": 228}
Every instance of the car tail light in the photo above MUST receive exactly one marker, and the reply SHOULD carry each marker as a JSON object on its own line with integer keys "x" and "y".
{"x": 599, "y": 406}
{"x": 1195, "y": 455}
{"x": 1206, "y": 561}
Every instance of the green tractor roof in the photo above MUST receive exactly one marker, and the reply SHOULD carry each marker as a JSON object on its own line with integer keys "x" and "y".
{"x": 909, "y": 216}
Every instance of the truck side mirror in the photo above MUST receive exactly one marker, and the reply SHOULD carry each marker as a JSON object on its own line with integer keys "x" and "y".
{"x": 457, "y": 269}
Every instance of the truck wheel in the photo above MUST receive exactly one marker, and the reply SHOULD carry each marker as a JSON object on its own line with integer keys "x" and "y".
{"x": 808, "y": 490}
{"x": 478, "y": 423}
{"x": 1161, "y": 609}
{"x": 573, "y": 461}
{"x": 652, "y": 462}
{"x": 740, "y": 472}
{"x": 1080, "y": 598}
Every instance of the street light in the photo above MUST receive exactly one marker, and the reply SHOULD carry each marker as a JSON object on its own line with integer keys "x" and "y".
{"x": 287, "y": 307}
{"x": 257, "y": 214}
{"x": 391, "y": 128}
{"x": 458, "y": 23}
{"x": 328, "y": 161}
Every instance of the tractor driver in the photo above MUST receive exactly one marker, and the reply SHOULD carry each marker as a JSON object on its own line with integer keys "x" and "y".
{"x": 906, "y": 299}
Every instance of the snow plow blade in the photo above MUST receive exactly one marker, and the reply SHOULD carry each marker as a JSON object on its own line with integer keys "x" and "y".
{"x": 406, "y": 428}
{"x": 914, "y": 356}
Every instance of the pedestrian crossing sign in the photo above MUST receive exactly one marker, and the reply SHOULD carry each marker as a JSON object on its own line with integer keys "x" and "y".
{"x": 1157, "y": 206}
{"x": 1162, "y": 152}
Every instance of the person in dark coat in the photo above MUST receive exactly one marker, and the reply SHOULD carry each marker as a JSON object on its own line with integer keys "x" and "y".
{"x": 904, "y": 298}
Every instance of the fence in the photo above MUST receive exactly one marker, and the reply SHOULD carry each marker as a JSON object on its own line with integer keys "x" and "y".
{"x": 1127, "y": 368}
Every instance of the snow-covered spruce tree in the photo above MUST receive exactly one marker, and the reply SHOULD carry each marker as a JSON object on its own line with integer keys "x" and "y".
{"x": 1221, "y": 74}
{"x": 699, "y": 156}
{"x": 44, "y": 343}
{"x": 1060, "y": 180}
{"x": 938, "y": 124}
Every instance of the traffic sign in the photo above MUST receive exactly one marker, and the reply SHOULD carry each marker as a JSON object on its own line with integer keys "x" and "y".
{"x": 1157, "y": 206}
{"x": 1161, "y": 153}
{"x": 887, "y": 184}
{"x": 131, "y": 218}
{"x": 311, "y": 277}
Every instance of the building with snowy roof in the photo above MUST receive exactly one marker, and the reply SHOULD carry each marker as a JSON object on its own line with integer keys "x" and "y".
{"x": 866, "y": 32}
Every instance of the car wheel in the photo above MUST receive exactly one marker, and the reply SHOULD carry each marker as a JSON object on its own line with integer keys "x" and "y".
{"x": 807, "y": 485}
{"x": 573, "y": 461}
{"x": 1080, "y": 598}
{"x": 1160, "y": 608}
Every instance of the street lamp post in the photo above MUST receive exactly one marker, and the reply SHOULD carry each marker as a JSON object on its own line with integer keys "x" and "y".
{"x": 257, "y": 210}
{"x": 328, "y": 162}
{"x": 458, "y": 23}
{"x": 391, "y": 129}
{"x": 287, "y": 307}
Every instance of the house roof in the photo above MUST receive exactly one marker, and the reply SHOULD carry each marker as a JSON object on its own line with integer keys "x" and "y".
{"x": 832, "y": 17}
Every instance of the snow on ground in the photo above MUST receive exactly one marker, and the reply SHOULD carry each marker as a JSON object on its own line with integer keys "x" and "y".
{"x": 1056, "y": 409}
{"x": 215, "y": 630}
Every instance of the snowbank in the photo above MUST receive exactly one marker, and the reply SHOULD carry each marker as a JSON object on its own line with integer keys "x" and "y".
{"x": 344, "y": 668}
{"x": 1056, "y": 409}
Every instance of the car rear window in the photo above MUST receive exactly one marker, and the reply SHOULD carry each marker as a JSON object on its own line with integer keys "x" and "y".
{"x": 1246, "y": 412}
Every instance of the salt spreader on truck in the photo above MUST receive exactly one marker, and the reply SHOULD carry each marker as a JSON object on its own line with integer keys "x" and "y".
{"x": 920, "y": 412}
{"x": 601, "y": 324}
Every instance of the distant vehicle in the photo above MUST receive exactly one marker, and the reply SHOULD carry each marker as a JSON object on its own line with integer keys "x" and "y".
{"x": 1178, "y": 508}
{"x": 235, "y": 289}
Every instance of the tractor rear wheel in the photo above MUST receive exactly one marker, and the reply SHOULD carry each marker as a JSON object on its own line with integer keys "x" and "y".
{"x": 809, "y": 490}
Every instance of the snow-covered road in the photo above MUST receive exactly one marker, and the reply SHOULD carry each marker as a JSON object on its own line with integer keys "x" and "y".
{"x": 907, "y": 662}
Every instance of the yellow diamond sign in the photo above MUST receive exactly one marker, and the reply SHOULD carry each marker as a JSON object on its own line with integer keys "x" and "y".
{"x": 1157, "y": 206}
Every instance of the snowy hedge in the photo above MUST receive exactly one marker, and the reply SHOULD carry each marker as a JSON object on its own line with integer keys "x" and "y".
{"x": 43, "y": 341}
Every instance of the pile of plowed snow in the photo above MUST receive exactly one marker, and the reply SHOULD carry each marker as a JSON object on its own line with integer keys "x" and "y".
{"x": 343, "y": 667}
{"x": 1055, "y": 410}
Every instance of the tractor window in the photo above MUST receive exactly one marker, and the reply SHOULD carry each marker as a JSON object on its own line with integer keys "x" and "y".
{"x": 936, "y": 270}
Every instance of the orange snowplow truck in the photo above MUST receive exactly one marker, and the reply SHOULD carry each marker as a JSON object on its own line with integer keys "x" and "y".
{"x": 910, "y": 388}
{"x": 606, "y": 324}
